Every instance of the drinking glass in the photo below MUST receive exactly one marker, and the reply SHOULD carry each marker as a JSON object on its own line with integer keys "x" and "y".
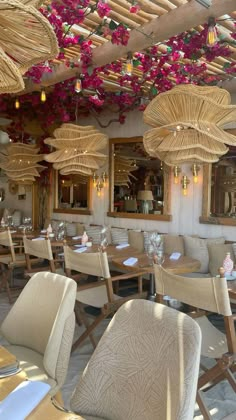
{"x": 103, "y": 239}
{"x": 151, "y": 252}
{"x": 159, "y": 257}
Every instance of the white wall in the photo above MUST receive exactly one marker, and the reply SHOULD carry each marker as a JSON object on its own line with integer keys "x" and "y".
{"x": 11, "y": 201}
{"x": 185, "y": 210}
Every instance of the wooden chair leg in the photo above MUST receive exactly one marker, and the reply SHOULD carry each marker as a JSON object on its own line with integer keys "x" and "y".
{"x": 230, "y": 377}
{"x": 88, "y": 331}
{"x": 5, "y": 283}
{"x": 81, "y": 319}
{"x": 202, "y": 406}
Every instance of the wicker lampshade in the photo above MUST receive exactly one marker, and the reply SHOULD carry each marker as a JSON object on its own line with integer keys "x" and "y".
{"x": 123, "y": 168}
{"x": 77, "y": 149}
{"x": 145, "y": 195}
{"x": 189, "y": 124}
{"x": 21, "y": 163}
{"x": 27, "y": 38}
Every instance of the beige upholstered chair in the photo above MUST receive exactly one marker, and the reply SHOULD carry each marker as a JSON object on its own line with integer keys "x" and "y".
{"x": 40, "y": 327}
{"x": 43, "y": 250}
{"x": 10, "y": 261}
{"x": 145, "y": 366}
{"x": 209, "y": 294}
{"x": 98, "y": 294}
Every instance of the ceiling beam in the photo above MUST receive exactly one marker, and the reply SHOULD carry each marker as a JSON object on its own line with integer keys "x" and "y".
{"x": 159, "y": 29}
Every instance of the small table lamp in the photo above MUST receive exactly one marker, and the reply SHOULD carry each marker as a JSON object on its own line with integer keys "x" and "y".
{"x": 145, "y": 196}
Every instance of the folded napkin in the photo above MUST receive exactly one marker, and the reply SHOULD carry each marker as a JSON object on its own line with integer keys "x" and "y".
{"x": 76, "y": 237}
{"x": 22, "y": 400}
{"x": 121, "y": 246}
{"x": 38, "y": 239}
{"x": 175, "y": 256}
{"x": 81, "y": 249}
{"x": 12, "y": 231}
{"x": 130, "y": 261}
{"x": 43, "y": 231}
{"x": 79, "y": 245}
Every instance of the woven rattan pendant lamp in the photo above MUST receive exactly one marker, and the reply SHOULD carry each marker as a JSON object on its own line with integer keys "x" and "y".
{"x": 189, "y": 124}
{"x": 26, "y": 38}
{"x": 20, "y": 163}
{"x": 77, "y": 149}
{"x": 123, "y": 171}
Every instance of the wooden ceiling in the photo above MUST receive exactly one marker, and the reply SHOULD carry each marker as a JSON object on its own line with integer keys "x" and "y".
{"x": 153, "y": 24}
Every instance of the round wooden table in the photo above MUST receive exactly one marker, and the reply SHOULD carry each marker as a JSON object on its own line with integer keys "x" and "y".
{"x": 183, "y": 265}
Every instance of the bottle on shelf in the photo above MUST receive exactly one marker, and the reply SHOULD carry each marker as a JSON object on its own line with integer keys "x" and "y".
{"x": 228, "y": 264}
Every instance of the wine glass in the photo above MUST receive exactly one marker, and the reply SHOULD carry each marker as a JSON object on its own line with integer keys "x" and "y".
{"x": 159, "y": 257}
{"x": 103, "y": 240}
{"x": 151, "y": 252}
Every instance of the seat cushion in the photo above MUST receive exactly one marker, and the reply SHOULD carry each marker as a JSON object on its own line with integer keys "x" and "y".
{"x": 217, "y": 253}
{"x": 32, "y": 363}
{"x": 96, "y": 296}
{"x": 173, "y": 243}
{"x": 136, "y": 239}
{"x": 119, "y": 236}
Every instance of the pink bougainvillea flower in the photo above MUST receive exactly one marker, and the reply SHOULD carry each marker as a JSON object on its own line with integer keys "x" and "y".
{"x": 103, "y": 9}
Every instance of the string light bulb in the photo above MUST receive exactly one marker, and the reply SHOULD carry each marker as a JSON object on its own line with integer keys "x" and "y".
{"x": 43, "y": 96}
{"x": 176, "y": 171}
{"x": 129, "y": 64}
{"x": 185, "y": 181}
{"x": 211, "y": 33}
{"x": 78, "y": 85}
{"x": 195, "y": 169}
{"x": 17, "y": 103}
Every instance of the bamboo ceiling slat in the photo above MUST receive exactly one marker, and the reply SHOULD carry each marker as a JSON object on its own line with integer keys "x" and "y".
{"x": 124, "y": 11}
{"x": 151, "y": 8}
{"x": 141, "y": 12}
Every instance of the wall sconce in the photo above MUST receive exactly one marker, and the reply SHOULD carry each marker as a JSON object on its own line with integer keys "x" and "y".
{"x": 100, "y": 182}
{"x": 195, "y": 169}
{"x": 184, "y": 182}
{"x": 176, "y": 172}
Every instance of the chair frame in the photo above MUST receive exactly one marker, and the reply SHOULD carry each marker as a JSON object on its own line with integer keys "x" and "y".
{"x": 112, "y": 304}
{"x": 6, "y": 240}
{"x": 227, "y": 363}
{"x": 45, "y": 253}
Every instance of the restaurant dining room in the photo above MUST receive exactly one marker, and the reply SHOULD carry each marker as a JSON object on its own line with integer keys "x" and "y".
{"x": 118, "y": 209}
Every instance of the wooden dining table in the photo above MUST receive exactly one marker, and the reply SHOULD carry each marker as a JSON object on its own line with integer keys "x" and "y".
{"x": 47, "y": 409}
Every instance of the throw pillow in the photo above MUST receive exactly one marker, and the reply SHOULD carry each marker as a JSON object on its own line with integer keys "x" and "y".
{"x": 136, "y": 239}
{"x": 173, "y": 243}
{"x": 94, "y": 233}
{"x": 197, "y": 248}
{"x": 217, "y": 253}
{"x": 70, "y": 229}
{"x": 119, "y": 236}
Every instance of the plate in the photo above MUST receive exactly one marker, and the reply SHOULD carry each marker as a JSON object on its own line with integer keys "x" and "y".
{"x": 5, "y": 375}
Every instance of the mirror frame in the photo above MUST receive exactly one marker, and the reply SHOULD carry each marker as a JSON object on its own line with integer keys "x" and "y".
{"x": 167, "y": 187}
{"x": 56, "y": 209}
{"x": 206, "y": 202}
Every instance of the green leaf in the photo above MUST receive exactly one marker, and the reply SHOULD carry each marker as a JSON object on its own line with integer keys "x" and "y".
{"x": 226, "y": 65}
{"x": 136, "y": 63}
{"x": 169, "y": 49}
{"x": 154, "y": 91}
{"x": 112, "y": 25}
{"x": 90, "y": 70}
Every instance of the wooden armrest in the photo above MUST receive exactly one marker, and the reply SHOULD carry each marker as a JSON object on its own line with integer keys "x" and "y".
{"x": 91, "y": 285}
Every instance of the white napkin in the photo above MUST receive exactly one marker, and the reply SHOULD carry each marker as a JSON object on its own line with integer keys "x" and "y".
{"x": 22, "y": 400}
{"x": 12, "y": 231}
{"x": 81, "y": 249}
{"x": 76, "y": 237}
{"x": 121, "y": 246}
{"x": 38, "y": 239}
{"x": 130, "y": 261}
{"x": 43, "y": 231}
{"x": 175, "y": 256}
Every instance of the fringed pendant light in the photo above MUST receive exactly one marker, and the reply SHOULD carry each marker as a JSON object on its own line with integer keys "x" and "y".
{"x": 20, "y": 163}
{"x": 77, "y": 149}
{"x": 27, "y": 38}
{"x": 189, "y": 124}
{"x": 123, "y": 171}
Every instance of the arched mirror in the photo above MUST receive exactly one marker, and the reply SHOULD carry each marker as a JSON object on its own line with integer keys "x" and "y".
{"x": 139, "y": 184}
{"x": 72, "y": 194}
